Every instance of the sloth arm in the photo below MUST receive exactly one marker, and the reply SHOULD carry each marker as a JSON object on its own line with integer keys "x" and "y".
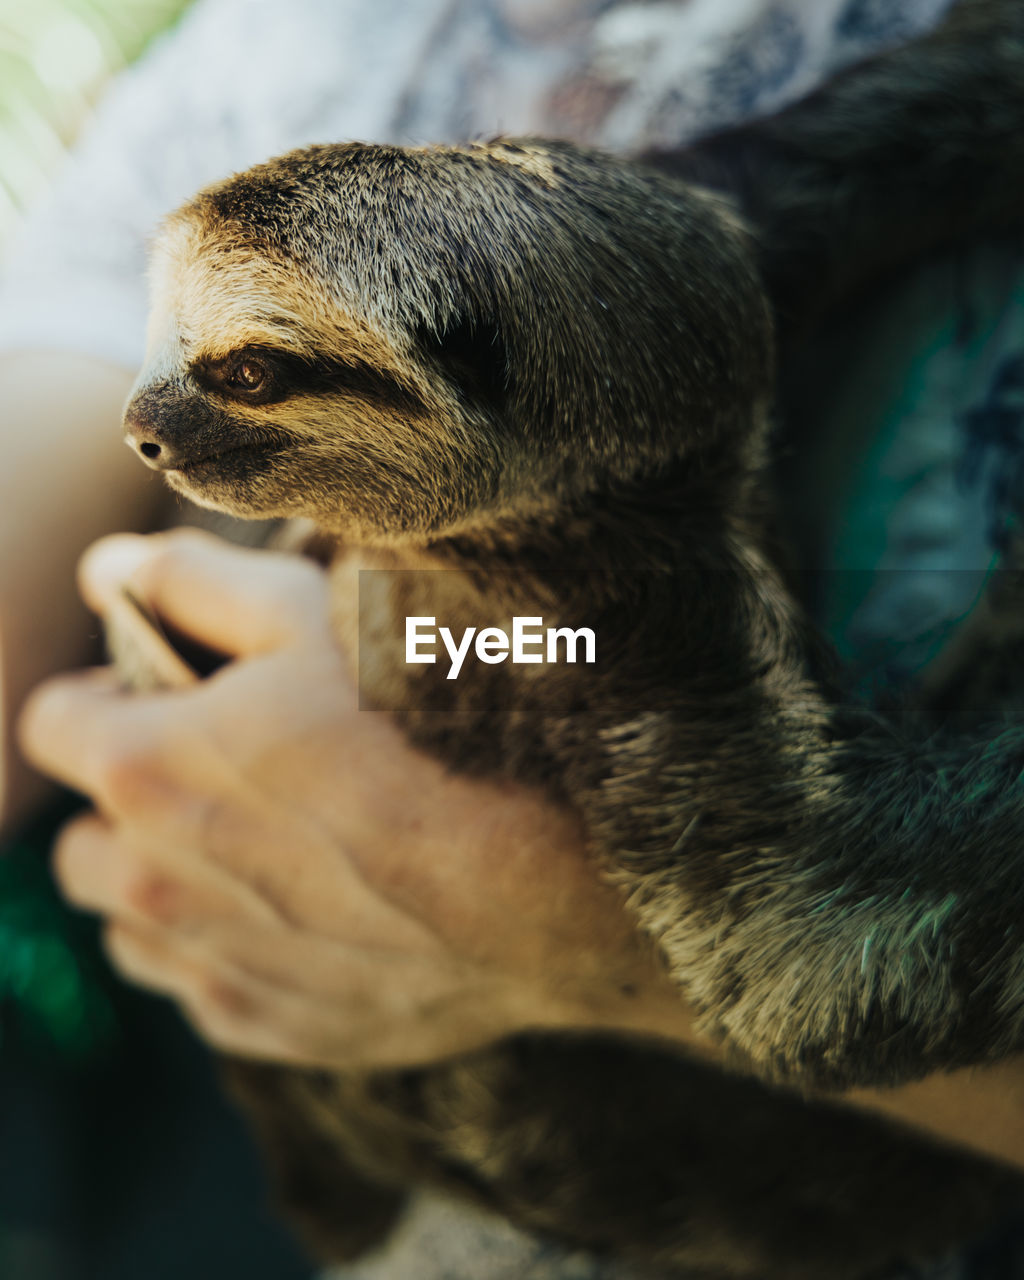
{"x": 472, "y": 912}
{"x": 68, "y": 480}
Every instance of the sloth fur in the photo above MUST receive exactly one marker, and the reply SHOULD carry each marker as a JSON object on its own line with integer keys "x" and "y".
{"x": 550, "y": 372}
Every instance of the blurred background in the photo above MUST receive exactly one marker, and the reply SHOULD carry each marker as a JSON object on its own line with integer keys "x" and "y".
{"x": 55, "y": 57}
{"x": 119, "y": 1159}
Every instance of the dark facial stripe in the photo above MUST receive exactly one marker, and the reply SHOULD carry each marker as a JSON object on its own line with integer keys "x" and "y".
{"x": 290, "y": 374}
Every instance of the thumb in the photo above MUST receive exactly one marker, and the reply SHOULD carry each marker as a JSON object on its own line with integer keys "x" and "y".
{"x": 233, "y": 599}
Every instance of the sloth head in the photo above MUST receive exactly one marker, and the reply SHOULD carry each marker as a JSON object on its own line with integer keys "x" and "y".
{"x": 404, "y": 343}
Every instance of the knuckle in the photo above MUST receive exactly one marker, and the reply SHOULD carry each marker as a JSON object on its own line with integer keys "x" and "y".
{"x": 128, "y": 777}
{"x": 155, "y": 897}
{"x": 219, "y": 998}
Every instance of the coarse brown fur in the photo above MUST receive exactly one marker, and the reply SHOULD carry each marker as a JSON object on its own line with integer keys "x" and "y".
{"x": 548, "y": 372}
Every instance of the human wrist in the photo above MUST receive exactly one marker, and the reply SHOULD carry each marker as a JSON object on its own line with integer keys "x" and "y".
{"x": 638, "y": 1001}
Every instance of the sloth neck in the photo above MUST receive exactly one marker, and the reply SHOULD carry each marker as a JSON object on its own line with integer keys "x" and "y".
{"x": 684, "y": 556}
{"x": 686, "y": 521}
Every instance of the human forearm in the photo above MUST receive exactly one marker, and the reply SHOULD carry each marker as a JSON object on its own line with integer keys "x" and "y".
{"x": 979, "y": 1108}
{"x": 68, "y": 480}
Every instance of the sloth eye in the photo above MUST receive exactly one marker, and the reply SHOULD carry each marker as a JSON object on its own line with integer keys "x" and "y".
{"x": 248, "y": 375}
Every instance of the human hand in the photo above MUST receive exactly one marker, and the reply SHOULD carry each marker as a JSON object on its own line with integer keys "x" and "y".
{"x": 308, "y": 886}
{"x": 312, "y": 890}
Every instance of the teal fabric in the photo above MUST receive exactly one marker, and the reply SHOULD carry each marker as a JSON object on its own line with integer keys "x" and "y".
{"x": 918, "y": 484}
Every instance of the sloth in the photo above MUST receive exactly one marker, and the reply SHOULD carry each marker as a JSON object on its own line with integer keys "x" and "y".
{"x": 549, "y": 373}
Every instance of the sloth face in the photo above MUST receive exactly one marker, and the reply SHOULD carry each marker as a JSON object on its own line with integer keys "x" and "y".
{"x": 401, "y": 344}
{"x": 263, "y": 397}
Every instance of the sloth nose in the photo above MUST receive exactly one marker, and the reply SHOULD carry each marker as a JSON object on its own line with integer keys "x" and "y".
{"x": 151, "y": 444}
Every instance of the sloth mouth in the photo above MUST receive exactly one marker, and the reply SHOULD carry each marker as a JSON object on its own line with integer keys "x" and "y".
{"x": 230, "y": 458}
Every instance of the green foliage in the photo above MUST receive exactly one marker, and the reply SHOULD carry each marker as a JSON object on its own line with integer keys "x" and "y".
{"x": 55, "y": 57}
